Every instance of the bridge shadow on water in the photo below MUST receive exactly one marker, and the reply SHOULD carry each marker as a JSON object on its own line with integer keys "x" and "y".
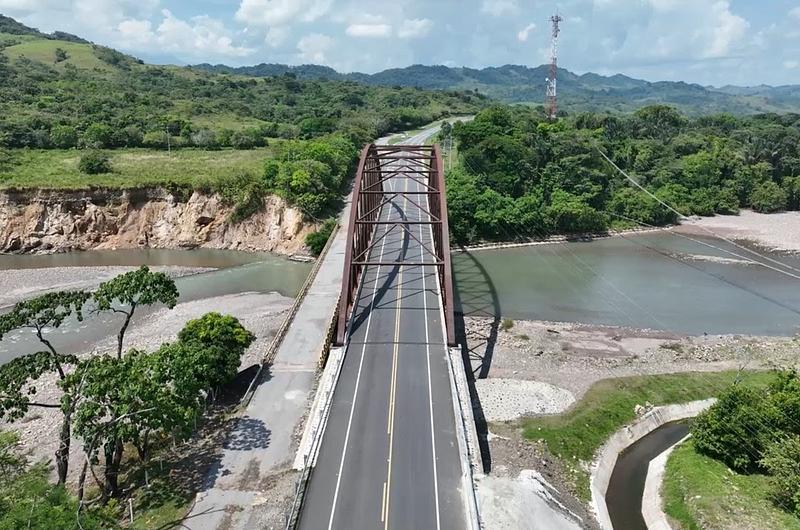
{"x": 475, "y": 296}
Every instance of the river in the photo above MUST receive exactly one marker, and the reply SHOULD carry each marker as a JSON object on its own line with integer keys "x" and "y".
{"x": 645, "y": 280}
{"x": 237, "y": 272}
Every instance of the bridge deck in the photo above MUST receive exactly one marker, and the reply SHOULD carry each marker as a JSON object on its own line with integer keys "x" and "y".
{"x": 389, "y": 456}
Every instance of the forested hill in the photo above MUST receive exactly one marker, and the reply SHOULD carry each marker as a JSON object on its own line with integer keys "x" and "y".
{"x": 589, "y": 92}
{"x": 60, "y": 91}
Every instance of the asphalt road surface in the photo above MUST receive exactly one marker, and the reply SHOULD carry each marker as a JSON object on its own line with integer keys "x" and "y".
{"x": 389, "y": 456}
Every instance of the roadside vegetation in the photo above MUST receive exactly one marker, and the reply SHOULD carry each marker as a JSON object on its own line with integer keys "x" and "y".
{"x": 125, "y": 409}
{"x": 521, "y": 176}
{"x": 743, "y": 461}
{"x": 575, "y": 436}
{"x": 700, "y": 492}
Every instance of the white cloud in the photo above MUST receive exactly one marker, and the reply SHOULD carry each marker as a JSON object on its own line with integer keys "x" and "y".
{"x": 795, "y": 12}
{"x": 498, "y": 8}
{"x": 728, "y": 30}
{"x": 276, "y": 36}
{"x": 522, "y": 36}
{"x": 314, "y": 47}
{"x": 414, "y": 28}
{"x": 791, "y": 64}
{"x": 269, "y": 13}
{"x": 200, "y": 36}
{"x": 369, "y": 30}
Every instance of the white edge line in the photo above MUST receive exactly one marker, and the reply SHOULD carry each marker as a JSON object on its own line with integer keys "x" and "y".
{"x": 355, "y": 392}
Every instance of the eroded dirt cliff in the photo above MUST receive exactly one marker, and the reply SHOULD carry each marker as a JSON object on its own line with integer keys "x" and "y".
{"x": 58, "y": 221}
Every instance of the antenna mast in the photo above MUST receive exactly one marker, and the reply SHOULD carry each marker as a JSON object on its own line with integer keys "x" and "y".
{"x": 552, "y": 100}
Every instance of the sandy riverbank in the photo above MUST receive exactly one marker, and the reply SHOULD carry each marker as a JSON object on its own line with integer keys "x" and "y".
{"x": 18, "y": 284}
{"x": 538, "y": 367}
{"x": 776, "y": 231}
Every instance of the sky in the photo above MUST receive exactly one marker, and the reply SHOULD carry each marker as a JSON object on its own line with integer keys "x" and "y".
{"x": 711, "y": 42}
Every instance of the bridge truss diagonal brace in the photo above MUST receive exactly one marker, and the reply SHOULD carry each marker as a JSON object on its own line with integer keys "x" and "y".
{"x": 423, "y": 164}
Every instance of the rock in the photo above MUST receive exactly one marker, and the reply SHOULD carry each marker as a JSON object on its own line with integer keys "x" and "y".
{"x": 72, "y": 220}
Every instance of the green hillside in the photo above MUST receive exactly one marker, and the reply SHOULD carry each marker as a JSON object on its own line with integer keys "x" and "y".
{"x": 57, "y": 93}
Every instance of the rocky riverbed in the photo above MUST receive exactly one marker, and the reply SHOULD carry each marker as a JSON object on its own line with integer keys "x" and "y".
{"x": 527, "y": 368}
{"x": 18, "y": 284}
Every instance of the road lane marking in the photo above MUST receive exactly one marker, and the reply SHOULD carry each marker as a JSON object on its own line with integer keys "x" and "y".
{"x": 393, "y": 387}
{"x": 383, "y": 504}
{"x": 355, "y": 391}
{"x": 430, "y": 384}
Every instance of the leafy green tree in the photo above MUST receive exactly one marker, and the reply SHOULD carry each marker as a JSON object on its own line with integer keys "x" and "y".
{"x": 658, "y": 121}
{"x": 94, "y": 163}
{"x": 98, "y": 136}
{"x": 570, "y": 214}
{"x": 768, "y": 197}
{"x": 791, "y": 186}
{"x": 64, "y": 137}
{"x": 17, "y": 377}
{"x": 737, "y": 428}
{"x": 782, "y": 462}
{"x": 126, "y": 292}
{"x": 227, "y": 340}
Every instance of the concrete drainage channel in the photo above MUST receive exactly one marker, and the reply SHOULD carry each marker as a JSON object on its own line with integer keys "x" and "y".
{"x": 621, "y": 469}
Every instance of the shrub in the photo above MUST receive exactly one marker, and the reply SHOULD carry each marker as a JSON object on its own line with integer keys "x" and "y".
{"x": 156, "y": 139}
{"x": 98, "y": 135}
{"x": 64, "y": 137}
{"x": 507, "y": 324}
{"x": 316, "y": 241}
{"x": 94, "y": 163}
{"x": 737, "y": 428}
{"x": 768, "y": 197}
{"x": 782, "y": 462}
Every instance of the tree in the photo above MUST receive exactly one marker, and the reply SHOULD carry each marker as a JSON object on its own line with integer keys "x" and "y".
{"x": 113, "y": 398}
{"x": 98, "y": 136}
{"x": 768, "y": 197}
{"x": 41, "y": 314}
{"x": 226, "y": 340}
{"x": 737, "y": 428}
{"x": 64, "y": 137}
{"x": 61, "y": 55}
{"x": 124, "y": 293}
{"x": 94, "y": 163}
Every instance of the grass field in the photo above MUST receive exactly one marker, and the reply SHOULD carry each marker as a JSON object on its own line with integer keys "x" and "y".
{"x": 44, "y": 51}
{"x": 132, "y": 168}
{"x": 700, "y": 492}
{"x": 577, "y": 434}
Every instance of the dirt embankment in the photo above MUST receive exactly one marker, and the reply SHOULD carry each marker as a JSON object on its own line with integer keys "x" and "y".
{"x": 59, "y": 221}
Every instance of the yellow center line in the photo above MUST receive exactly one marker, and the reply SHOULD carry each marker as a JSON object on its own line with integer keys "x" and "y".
{"x": 393, "y": 393}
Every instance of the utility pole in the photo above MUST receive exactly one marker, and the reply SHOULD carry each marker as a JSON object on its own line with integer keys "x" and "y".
{"x": 552, "y": 98}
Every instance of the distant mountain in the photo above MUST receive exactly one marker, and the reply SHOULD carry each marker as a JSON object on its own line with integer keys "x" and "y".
{"x": 522, "y": 84}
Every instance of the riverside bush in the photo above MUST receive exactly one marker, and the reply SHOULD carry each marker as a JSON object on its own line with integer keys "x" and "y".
{"x": 94, "y": 163}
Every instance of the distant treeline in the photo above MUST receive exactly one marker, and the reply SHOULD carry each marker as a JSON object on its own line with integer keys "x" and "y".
{"x": 521, "y": 176}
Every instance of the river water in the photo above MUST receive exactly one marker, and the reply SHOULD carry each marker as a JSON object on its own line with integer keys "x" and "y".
{"x": 647, "y": 280}
{"x": 644, "y": 280}
{"x": 237, "y": 272}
